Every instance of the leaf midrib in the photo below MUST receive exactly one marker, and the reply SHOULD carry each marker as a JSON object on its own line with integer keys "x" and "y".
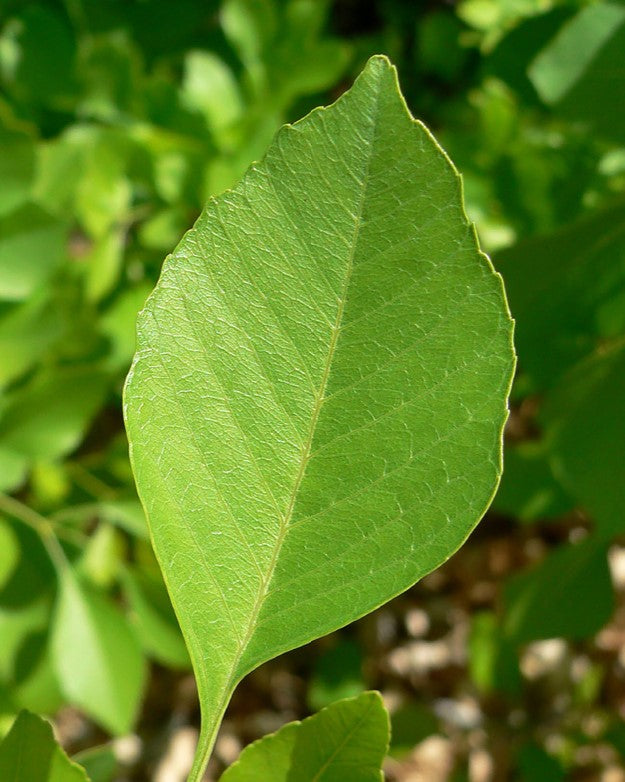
{"x": 232, "y": 678}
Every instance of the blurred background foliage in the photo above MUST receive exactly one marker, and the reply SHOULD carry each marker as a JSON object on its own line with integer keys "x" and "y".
{"x": 118, "y": 120}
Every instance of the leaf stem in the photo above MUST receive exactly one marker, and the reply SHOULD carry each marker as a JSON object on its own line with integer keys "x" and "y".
{"x": 40, "y": 524}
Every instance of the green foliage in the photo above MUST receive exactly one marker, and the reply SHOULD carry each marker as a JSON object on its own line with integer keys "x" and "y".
{"x": 29, "y": 751}
{"x": 118, "y": 120}
{"x": 314, "y": 433}
{"x": 347, "y": 740}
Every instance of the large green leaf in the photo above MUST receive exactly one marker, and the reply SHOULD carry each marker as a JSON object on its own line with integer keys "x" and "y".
{"x": 316, "y": 405}
{"x": 345, "y": 741}
{"x": 29, "y": 753}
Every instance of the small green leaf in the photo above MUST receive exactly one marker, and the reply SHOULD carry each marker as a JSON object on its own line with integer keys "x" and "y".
{"x": 29, "y": 753}
{"x": 97, "y": 658}
{"x": 345, "y": 741}
{"x": 569, "y": 594}
{"x": 316, "y": 405}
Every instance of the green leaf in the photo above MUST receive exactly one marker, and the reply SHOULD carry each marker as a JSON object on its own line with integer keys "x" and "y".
{"x": 576, "y": 580}
{"x": 346, "y": 741}
{"x": 584, "y": 416}
{"x": 316, "y": 405}
{"x": 47, "y": 418}
{"x": 580, "y": 71}
{"x": 528, "y": 490}
{"x": 17, "y": 169}
{"x": 9, "y": 551}
{"x": 337, "y": 674}
{"x": 154, "y": 620}
{"x": 27, "y": 330}
{"x": 566, "y": 290}
{"x": 29, "y": 753}
{"x": 97, "y": 658}
{"x": 32, "y": 245}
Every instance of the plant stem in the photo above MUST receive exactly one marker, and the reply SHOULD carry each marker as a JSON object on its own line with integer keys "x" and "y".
{"x": 39, "y": 524}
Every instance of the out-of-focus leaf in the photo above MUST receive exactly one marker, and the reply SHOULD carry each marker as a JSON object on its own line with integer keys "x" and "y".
{"x": 9, "y": 551}
{"x": 100, "y": 763}
{"x": 493, "y": 659}
{"x": 104, "y": 192}
{"x": 537, "y": 765}
{"x": 44, "y": 68}
{"x": 29, "y": 753}
{"x": 13, "y": 469}
{"x": 16, "y": 625}
{"x": 209, "y": 87}
{"x": 27, "y": 330}
{"x": 411, "y": 723}
{"x": 154, "y": 620}
{"x": 245, "y": 403}
{"x": 566, "y": 290}
{"x": 105, "y": 263}
{"x": 569, "y": 594}
{"x": 586, "y": 423}
{"x": 512, "y": 55}
{"x": 345, "y": 741}
{"x": 337, "y": 674}
{"x": 117, "y": 324}
{"x": 102, "y": 556}
{"x": 32, "y": 245}
{"x": 47, "y": 418}
{"x": 35, "y": 686}
{"x": 33, "y": 576}
{"x": 580, "y": 72}
{"x": 96, "y": 656}
{"x": 17, "y": 169}
{"x": 528, "y": 490}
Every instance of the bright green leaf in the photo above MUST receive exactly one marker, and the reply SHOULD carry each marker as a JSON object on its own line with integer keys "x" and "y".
{"x": 346, "y": 741}
{"x": 97, "y": 658}
{"x": 316, "y": 405}
{"x": 29, "y": 753}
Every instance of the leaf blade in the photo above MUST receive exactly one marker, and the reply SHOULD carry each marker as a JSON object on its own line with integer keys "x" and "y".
{"x": 346, "y": 740}
{"x": 291, "y": 376}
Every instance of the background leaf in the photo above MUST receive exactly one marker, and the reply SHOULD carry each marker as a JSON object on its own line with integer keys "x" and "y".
{"x": 96, "y": 656}
{"x": 29, "y": 752}
{"x": 347, "y": 740}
